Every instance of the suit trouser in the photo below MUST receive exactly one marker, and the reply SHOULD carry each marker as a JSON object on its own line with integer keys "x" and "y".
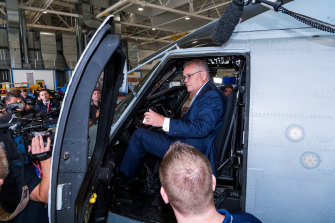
{"x": 141, "y": 142}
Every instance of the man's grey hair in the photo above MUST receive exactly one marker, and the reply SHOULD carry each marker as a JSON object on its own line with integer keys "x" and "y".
{"x": 201, "y": 64}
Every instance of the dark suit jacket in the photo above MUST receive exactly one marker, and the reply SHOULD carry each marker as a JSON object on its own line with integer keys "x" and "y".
{"x": 202, "y": 121}
{"x": 54, "y": 106}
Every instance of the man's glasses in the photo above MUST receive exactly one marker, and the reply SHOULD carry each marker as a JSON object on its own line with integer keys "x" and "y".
{"x": 188, "y": 76}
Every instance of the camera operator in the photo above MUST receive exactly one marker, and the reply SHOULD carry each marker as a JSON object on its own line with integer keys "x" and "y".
{"x": 13, "y": 103}
{"x": 28, "y": 100}
{"x": 37, "y": 182}
{"x": 25, "y": 190}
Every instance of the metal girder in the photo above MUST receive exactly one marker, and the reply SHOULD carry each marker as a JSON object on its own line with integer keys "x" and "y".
{"x": 142, "y": 3}
{"x": 213, "y": 7}
{"x": 64, "y": 4}
{"x": 49, "y": 11}
{"x": 216, "y": 9}
{"x": 126, "y": 6}
{"x": 38, "y": 15}
{"x": 200, "y": 11}
{"x": 146, "y": 4}
{"x": 2, "y": 11}
{"x": 71, "y": 29}
{"x": 111, "y": 8}
{"x": 147, "y": 27}
{"x": 146, "y": 39}
{"x": 61, "y": 19}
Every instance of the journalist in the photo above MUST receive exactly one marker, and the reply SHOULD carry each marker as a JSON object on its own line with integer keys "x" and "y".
{"x": 24, "y": 192}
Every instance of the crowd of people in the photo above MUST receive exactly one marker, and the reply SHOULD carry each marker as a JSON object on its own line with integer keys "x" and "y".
{"x": 27, "y": 104}
{"x": 24, "y": 182}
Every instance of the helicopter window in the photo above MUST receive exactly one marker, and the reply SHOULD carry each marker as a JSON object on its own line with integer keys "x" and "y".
{"x": 94, "y": 115}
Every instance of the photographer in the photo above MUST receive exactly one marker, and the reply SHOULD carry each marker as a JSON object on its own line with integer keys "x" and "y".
{"x": 13, "y": 102}
{"x": 25, "y": 190}
{"x": 28, "y": 100}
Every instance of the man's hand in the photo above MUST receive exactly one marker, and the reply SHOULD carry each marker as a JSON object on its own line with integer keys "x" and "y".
{"x": 37, "y": 145}
{"x": 153, "y": 118}
{"x": 97, "y": 114}
{"x": 40, "y": 192}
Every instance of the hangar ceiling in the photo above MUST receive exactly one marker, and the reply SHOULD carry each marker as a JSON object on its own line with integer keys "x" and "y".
{"x": 151, "y": 23}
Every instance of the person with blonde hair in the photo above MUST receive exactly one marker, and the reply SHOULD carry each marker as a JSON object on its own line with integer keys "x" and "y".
{"x": 3, "y": 166}
{"x": 188, "y": 184}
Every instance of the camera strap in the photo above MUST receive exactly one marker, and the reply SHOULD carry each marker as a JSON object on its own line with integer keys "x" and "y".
{"x": 41, "y": 156}
{"x": 5, "y": 216}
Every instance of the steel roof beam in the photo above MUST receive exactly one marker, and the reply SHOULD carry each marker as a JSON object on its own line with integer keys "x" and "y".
{"x": 146, "y": 39}
{"x": 111, "y": 8}
{"x": 71, "y": 29}
{"x": 49, "y": 11}
{"x": 147, "y": 27}
{"x": 176, "y": 11}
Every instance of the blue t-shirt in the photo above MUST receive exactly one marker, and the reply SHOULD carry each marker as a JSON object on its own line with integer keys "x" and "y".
{"x": 238, "y": 217}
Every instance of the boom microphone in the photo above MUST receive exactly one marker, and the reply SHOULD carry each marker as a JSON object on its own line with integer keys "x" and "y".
{"x": 226, "y": 25}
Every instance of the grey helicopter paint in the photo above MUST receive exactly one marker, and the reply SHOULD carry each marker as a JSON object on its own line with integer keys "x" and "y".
{"x": 291, "y": 141}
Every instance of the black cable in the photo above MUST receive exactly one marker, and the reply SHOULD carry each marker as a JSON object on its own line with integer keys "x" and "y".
{"x": 310, "y": 21}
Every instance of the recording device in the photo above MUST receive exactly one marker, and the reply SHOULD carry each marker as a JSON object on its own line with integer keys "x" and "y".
{"x": 27, "y": 127}
{"x": 13, "y": 107}
{"x": 45, "y": 134}
{"x": 45, "y": 155}
{"x": 228, "y": 21}
{"x": 30, "y": 101}
{"x": 232, "y": 16}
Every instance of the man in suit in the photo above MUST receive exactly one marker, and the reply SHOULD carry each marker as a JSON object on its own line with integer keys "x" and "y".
{"x": 198, "y": 126}
{"x": 47, "y": 106}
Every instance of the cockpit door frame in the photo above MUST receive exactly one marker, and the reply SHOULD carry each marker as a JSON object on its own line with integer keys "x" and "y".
{"x": 70, "y": 161}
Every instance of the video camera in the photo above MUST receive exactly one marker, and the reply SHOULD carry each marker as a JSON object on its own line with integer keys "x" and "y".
{"x": 30, "y": 101}
{"x": 13, "y": 107}
{"x": 27, "y": 127}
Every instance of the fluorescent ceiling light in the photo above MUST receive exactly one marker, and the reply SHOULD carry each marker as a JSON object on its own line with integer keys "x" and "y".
{"x": 187, "y": 18}
{"x": 140, "y": 9}
{"x": 45, "y": 12}
{"x": 153, "y": 28}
